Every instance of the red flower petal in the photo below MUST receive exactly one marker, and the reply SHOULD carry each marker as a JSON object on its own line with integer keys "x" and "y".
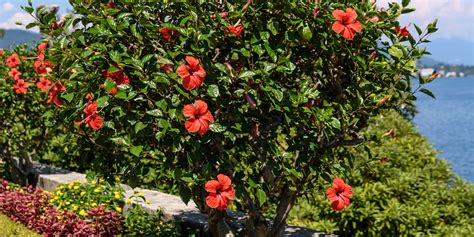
{"x": 212, "y": 186}
{"x": 213, "y": 200}
{"x": 192, "y": 125}
{"x": 183, "y": 71}
{"x": 189, "y": 110}
{"x": 355, "y": 26}
{"x": 338, "y": 27}
{"x": 338, "y": 183}
{"x": 204, "y": 126}
{"x": 201, "y": 106}
{"x": 339, "y": 14}
{"x": 207, "y": 117}
{"x": 225, "y": 181}
{"x": 351, "y": 15}
{"x": 337, "y": 205}
{"x": 332, "y": 194}
{"x": 193, "y": 62}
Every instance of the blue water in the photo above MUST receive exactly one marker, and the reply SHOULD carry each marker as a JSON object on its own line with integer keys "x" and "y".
{"x": 448, "y": 121}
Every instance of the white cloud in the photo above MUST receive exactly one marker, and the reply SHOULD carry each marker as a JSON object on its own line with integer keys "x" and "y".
{"x": 24, "y": 18}
{"x": 454, "y": 16}
{"x": 7, "y": 6}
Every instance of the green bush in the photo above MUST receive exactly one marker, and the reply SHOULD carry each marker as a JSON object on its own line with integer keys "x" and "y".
{"x": 402, "y": 189}
{"x": 269, "y": 93}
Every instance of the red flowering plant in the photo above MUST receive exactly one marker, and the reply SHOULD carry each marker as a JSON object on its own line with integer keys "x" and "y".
{"x": 263, "y": 95}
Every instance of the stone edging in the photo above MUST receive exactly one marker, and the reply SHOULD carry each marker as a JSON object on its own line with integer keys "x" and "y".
{"x": 49, "y": 178}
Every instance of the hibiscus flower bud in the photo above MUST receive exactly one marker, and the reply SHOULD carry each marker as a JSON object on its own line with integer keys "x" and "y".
{"x": 316, "y": 11}
{"x": 372, "y": 55}
{"x": 374, "y": 19}
{"x": 250, "y": 101}
{"x": 433, "y": 76}
{"x": 1, "y": 52}
{"x": 224, "y": 14}
{"x": 90, "y": 96}
{"x": 383, "y": 101}
{"x": 167, "y": 68}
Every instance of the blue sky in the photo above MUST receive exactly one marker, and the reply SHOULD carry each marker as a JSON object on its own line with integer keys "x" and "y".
{"x": 456, "y": 17}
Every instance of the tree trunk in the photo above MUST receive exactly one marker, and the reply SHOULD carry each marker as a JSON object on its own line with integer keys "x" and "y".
{"x": 287, "y": 200}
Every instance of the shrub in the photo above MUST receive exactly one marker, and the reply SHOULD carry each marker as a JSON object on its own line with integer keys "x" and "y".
{"x": 267, "y": 93}
{"x": 402, "y": 190}
{"x": 138, "y": 222}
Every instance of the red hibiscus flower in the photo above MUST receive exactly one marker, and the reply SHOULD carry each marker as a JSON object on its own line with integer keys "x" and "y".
{"x": 168, "y": 33}
{"x": 21, "y": 87}
{"x": 13, "y": 60}
{"x": 43, "y": 84}
{"x": 91, "y": 118}
{"x": 193, "y": 74}
{"x": 339, "y": 194}
{"x": 15, "y": 74}
{"x": 236, "y": 30}
{"x": 1, "y": 52}
{"x": 402, "y": 32}
{"x": 347, "y": 23}
{"x": 198, "y": 117}
{"x": 54, "y": 93}
{"x": 220, "y": 192}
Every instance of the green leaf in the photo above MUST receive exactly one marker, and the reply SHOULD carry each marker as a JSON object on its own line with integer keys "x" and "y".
{"x": 102, "y": 101}
{"x": 68, "y": 97}
{"x": 155, "y": 112}
{"x": 136, "y": 150}
{"x": 217, "y": 128}
{"x": 428, "y": 92}
{"x": 109, "y": 85}
{"x": 261, "y": 196}
{"x": 405, "y": 3}
{"x": 395, "y": 52}
{"x": 306, "y": 33}
{"x": 213, "y": 91}
{"x": 246, "y": 74}
{"x": 185, "y": 194}
{"x": 140, "y": 126}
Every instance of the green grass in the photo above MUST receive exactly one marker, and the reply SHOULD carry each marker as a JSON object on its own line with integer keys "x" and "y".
{"x": 11, "y": 228}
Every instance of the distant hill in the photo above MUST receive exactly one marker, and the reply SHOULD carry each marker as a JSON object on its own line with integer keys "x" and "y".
{"x": 451, "y": 51}
{"x": 16, "y": 37}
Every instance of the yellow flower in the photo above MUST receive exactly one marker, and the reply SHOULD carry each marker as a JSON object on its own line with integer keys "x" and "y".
{"x": 97, "y": 190}
{"x": 129, "y": 201}
{"x": 148, "y": 202}
{"x": 59, "y": 217}
{"x": 76, "y": 187}
{"x": 83, "y": 193}
{"x": 93, "y": 183}
{"x": 77, "y": 181}
{"x": 117, "y": 196}
{"x": 118, "y": 209}
{"x": 68, "y": 203}
{"x": 101, "y": 180}
{"x": 94, "y": 204}
{"x": 82, "y": 213}
{"x": 75, "y": 207}
{"x": 70, "y": 186}
{"x": 141, "y": 194}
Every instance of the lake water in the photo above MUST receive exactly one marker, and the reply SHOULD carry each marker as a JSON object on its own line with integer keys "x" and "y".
{"x": 448, "y": 121}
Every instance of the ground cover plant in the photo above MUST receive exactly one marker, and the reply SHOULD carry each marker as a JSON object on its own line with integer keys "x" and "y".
{"x": 404, "y": 190}
{"x": 65, "y": 211}
{"x": 243, "y": 105}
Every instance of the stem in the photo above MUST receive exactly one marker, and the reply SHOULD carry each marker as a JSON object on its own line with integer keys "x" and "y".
{"x": 288, "y": 199}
